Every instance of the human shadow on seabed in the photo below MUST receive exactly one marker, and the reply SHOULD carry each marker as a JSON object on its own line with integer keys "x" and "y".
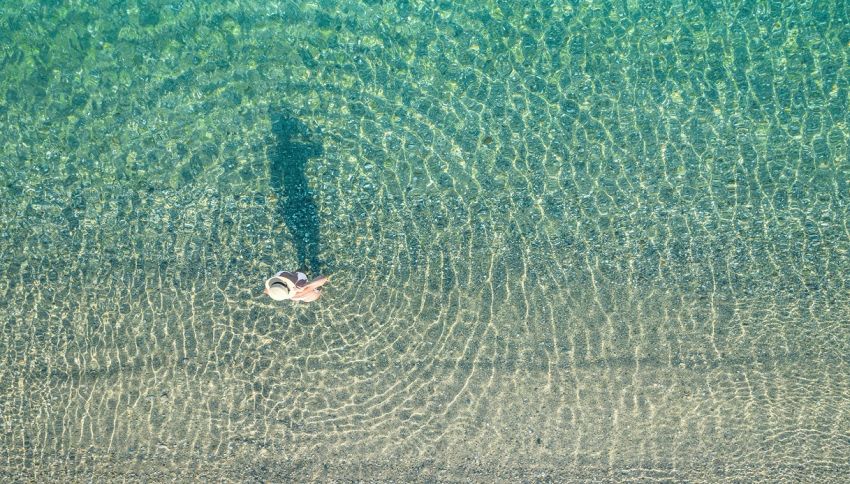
{"x": 294, "y": 146}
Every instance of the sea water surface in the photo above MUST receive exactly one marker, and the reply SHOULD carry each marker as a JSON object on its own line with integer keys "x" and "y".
{"x": 566, "y": 240}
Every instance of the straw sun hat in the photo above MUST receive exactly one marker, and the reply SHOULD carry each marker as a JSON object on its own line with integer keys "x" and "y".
{"x": 281, "y": 287}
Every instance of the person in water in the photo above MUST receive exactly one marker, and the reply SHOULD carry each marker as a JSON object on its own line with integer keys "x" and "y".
{"x": 293, "y": 285}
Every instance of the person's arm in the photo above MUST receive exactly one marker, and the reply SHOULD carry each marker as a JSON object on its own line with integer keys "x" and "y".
{"x": 316, "y": 283}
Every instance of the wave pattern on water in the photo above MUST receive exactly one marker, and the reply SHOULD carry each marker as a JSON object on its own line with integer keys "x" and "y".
{"x": 568, "y": 242}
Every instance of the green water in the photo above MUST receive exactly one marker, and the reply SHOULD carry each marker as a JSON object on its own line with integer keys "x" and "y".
{"x": 581, "y": 241}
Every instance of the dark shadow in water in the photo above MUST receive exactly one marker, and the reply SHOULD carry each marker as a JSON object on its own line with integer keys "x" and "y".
{"x": 294, "y": 145}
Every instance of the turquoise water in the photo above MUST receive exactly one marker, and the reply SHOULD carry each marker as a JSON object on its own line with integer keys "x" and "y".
{"x": 569, "y": 241}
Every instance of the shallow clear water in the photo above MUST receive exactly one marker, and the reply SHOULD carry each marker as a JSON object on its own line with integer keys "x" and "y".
{"x": 573, "y": 241}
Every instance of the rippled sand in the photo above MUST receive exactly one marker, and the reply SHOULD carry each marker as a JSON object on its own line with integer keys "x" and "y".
{"x": 565, "y": 243}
